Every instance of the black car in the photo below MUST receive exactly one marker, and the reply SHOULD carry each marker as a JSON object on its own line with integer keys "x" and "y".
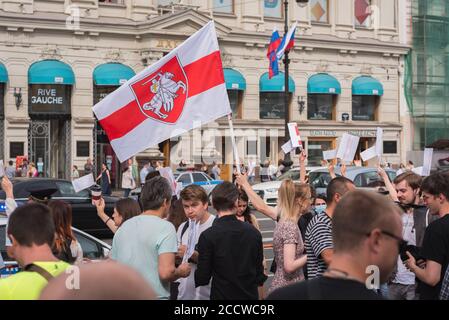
{"x": 84, "y": 213}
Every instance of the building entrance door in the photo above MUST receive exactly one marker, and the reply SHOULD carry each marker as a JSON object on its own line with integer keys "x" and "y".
{"x": 49, "y": 147}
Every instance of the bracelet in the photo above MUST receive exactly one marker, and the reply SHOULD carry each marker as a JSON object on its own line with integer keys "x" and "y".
{"x": 106, "y": 222}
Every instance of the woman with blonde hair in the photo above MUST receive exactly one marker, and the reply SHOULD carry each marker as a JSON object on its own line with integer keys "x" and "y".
{"x": 294, "y": 200}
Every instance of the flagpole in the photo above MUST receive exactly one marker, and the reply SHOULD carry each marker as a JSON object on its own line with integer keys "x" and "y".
{"x": 234, "y": 145}
{"x": 287, "y": 160}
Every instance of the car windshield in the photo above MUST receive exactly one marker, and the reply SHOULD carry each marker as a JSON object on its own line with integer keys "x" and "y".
{"x": 319, "y": 179}
{"x": 291, "y": 174}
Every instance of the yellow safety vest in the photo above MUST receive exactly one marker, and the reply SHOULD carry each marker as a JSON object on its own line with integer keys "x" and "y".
{"x": 27, "y": 285}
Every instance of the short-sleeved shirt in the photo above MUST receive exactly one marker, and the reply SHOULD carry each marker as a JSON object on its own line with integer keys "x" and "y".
{"x": 436, "y": 248}
{"x": 318, "y": 239}
{"x": 186, "y": 289}
{"x": 27, "y": 285}
{"x": 286, "y": 232}
{"x": 139, "y": 242}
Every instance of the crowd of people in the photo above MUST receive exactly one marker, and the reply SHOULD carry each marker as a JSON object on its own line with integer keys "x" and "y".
{"x": 346, "y": 244}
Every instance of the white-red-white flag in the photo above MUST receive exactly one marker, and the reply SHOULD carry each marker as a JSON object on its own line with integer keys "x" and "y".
{"x": 182, "y": 91}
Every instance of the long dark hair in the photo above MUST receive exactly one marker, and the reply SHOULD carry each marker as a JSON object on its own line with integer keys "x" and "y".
{"x": 247, "y": 213}
{"x": 127, "y": 208}
{"x": 62, "y": 217}
{"x": 176, "y": 214}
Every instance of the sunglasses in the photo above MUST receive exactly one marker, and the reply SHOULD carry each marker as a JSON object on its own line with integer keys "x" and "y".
{"x": 402, "y": 244}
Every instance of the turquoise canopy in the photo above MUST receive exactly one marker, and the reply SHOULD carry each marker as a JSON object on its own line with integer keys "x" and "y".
{"x": 366, "y": 85}
{"x": 51, "y": 72}
{"x": 3, "y": 73}
{"x": 323, "y": 83}
{"x": 112, "y": 74}
{"x": 275, "y": 84}
{"x": 234, "y": 79}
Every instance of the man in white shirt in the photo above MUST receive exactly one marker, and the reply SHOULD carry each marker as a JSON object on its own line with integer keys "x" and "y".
{"x": 194, "y": 201}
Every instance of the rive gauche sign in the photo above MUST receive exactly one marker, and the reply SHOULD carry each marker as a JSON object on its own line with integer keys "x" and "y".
{"x": 49, "y": 98}
{"x": 46, "y": 96}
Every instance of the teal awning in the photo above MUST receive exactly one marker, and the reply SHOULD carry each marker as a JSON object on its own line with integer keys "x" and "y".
{"x": 275, "y": 84}
{"x": 112, "y": 74}
{"x": 234, "y": 79}
{"x": 3, "y": 73}
{"x": 323, "y": 83}
{"x": 50, "y": 72}
{"x": 365, "y": 85}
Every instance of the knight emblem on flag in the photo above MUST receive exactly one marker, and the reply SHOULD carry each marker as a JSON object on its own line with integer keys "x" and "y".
{"x": 162, "y": 94}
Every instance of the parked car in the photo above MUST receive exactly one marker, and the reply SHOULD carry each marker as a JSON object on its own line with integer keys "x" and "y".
{"x": 187, "y": 178}
{"x": 363, "y": 177}
{"x": 93, "y": 249}
{"x": 84, "y": 213}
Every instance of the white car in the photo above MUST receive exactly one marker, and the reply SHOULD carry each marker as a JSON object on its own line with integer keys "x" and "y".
{"x": 93, "y": 249}
{"x": 268, "y": 191}
{"x": 319, "y": 179}
{"x": 187, "y": 178}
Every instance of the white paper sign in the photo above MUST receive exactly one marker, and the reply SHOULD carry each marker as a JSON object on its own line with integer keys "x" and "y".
{"x": 348, "y": 147}
{"x": 2, "y": 169}
{"x": 379, "y": 142}
{"x": 330, "y": 154}
{"x": 369, "y": 153}
{"x": 295, "y": 137}
{"x": 167, "y": 173}
{"x": 191, "y": 242}
{"x": 83, "y": 183}
{"x": 417, "y": 170}
{"x": 427, "y": 162}
{"x": 287, "y": 147}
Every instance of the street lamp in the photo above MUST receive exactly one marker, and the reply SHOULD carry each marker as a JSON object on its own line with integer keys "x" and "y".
{"x": 287, "y": 160}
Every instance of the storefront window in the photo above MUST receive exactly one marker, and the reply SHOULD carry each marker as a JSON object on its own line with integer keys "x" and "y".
{"x": 364, "y": 108}
{"x": 224, "y": 6}
{"x": 235, "y": 100}
{"x": 390, "y": 147}
{"x": 103, "y": 150}
{"x": 273, "y": 8}
{"x": 315, "y": 150}
{"x": 320, "y": 106}
{"x": 272, "y": 105}
{"x": 319, "y": 10}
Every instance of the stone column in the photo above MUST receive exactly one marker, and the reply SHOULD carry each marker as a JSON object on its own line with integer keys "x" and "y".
{"x": 344, "y": 19}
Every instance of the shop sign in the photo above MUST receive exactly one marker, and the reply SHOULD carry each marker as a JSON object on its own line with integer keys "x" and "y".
{"x": 333, "y": 133}
{"x": 49, "y": 98}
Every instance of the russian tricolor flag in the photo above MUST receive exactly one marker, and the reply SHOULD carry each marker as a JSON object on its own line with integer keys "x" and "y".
{"x": 272, "y": 54}
{"x": 287, "y": 42}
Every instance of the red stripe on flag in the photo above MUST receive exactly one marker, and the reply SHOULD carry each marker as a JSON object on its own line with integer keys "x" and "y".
{"x": 122, "y": 121}
{"x": 202, "y": 75}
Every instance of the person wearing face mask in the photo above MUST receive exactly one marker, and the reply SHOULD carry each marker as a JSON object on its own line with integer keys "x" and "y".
{"x": 319, "y": 204}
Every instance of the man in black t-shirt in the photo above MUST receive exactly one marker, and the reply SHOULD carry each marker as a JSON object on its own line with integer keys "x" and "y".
{"x": 435, "y": 248}
{"x": 366, "y": 234}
